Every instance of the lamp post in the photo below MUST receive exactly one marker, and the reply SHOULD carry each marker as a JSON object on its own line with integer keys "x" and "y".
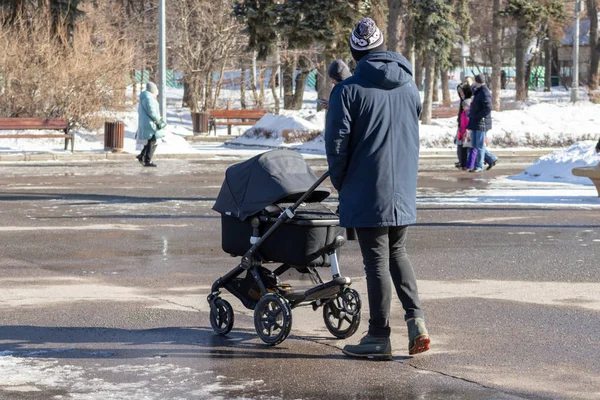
{"x": 162, "y": 57}
{"x": 575, "y": 83}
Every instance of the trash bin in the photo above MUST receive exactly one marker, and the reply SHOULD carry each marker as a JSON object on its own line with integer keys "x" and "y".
{"x": 200, "y": 122}
{"x": 114, "y": 136}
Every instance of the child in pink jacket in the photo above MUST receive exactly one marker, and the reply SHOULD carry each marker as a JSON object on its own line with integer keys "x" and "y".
{"x": 462, "y": 140}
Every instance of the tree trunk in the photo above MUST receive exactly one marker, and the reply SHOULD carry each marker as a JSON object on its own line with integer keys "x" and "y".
{"x": 253, "y": 86}
{"x": 134, "y": 88}
{"x": 243, "y": 84}
{"x": 219, "y": 83}
{"x": 194, "y": 90}
{"x": 261, "y": 82}
{"x": 209, "y": 80}
{"x": 409, "y": 46}
{"x": 446, "y": 101}
{"x": 305, "y": 66}
{"x": 418, "y": 66}
{"x": 394, "y": 31}
{"x": 274, "y": 91}
{"x": 547, "y": 66}
{"x": 496, "y": 56}
{"x": 289, "y": 68}
{"x": 299, "y": 92}
{"x": 428, "y": 98}
{"x": 436, "y": 85}
{"x": 595, "y": 54}
{"x": 520, "y": 51}
{"x": 323, "y": 85}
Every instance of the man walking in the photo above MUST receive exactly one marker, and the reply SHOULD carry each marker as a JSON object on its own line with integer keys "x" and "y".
{"x": 372, "y": 144}
{"x": 480, "y": 121}
{"x": 150, "y": 124}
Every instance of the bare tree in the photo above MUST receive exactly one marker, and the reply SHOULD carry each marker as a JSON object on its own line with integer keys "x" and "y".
{"x": 203, "y": 36}
{"x": 496, "y": 55}
{"x": 73, "y": 79}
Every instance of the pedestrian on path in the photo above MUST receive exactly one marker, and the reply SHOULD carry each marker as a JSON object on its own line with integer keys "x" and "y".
{"x": 372, "y": 146}
{"x": 464, "y": 93}
{"x": 338, "y": 71}
{"x": 150, "y": 124}
{"x": 598, "y": 147}
{"x": 480, "y": 121}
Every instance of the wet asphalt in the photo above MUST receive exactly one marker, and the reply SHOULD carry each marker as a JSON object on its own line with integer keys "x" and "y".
{"x": 105, "y": 268}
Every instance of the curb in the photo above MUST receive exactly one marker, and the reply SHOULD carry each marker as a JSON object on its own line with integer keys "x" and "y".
{"x": 122, "y": 156}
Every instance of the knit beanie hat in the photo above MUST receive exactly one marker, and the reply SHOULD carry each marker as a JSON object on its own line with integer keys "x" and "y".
{"x": 339, "y": 71}
{"x": 151, "y": 87}
{"x": 480, "y": 79}
{"x": 366, "y": 38}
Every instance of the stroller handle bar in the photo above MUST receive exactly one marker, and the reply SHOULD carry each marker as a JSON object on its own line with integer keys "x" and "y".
{"x": 288, "y": 213}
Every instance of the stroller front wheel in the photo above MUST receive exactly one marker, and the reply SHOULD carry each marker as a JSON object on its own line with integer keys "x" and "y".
{"x": 273, "y": 319}
{"x": 342, "y": 314}
{"x": 221, "y": 320}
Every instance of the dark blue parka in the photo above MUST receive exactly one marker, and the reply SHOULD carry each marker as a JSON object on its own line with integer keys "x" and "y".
{"x": 372, "y": 142}
{"x": 480, "y": 113}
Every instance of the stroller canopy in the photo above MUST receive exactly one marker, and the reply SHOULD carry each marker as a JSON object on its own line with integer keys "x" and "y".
{"x": 266, "y": 179}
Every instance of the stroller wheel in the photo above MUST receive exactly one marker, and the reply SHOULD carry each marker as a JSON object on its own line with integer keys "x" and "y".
{"x": 222, "y": 320}
{"x": 341, "y": 323}
{"x": 273, "y": 319}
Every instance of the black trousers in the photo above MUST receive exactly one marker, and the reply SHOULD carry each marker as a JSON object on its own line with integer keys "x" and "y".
{"x": 384, "y": 257}
{"x": 462, "y": 153}
{"x": 148, "y": 150}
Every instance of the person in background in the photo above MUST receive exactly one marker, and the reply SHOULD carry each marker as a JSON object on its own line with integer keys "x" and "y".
{"x": 150, "y": 124}
{"x": 598, "y": 147}
{"x": 338, "y": 71}
{"x": 461, "y": 139}
{"x": 464, "y": 92}
{"x": 372, "y": 147}
{"x": 480, "y": 121}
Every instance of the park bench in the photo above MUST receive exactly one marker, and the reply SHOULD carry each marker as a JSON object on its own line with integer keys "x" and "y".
{"x": 26, "y": 124}
{"x": 233, "y": 117}
{"x": 590, "y": 172}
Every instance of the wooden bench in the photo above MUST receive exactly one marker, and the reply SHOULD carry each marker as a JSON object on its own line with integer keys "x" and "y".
{"x": 590, "y": 172}
{"x": 26, "y": 124}
{"x": 233, "y": 117}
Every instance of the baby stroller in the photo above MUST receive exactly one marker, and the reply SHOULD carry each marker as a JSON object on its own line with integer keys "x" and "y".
{"x": 272, "y": 215}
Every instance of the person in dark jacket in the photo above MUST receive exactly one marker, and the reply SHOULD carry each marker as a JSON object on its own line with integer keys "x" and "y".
{"x": 372, "y": 146}
{"x": 598, "y": 147}
{"x": 338, "y": 71}
{"x": 480, "y": 121}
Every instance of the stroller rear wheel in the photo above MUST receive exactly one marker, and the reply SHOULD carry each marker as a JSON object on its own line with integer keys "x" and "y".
{"x": 273, "y": 319}
{"x": 222, "y": 320}
{"x": 342, "y": 314}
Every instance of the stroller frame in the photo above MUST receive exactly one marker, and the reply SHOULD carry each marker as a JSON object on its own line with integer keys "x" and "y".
{"x": 272, "y": 311}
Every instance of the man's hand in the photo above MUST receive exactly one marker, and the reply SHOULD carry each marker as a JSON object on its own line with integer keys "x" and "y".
{"x": 324, "y": 103}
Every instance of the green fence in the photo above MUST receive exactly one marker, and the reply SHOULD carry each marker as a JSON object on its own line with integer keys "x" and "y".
{"x": 174, "y": 79}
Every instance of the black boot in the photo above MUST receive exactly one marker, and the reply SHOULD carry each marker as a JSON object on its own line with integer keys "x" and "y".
{"x": 372, "y": 347}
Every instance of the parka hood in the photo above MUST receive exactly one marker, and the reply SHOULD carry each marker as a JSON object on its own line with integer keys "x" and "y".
{"x": 146, "y": 94}
{"x": 385, "y": 69}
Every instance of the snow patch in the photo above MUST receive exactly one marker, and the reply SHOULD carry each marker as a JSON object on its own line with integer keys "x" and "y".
{"x": 557, "y": 166}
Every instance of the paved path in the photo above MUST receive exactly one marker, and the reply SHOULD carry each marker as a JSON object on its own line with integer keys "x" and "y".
{"x": 105, "y": 267}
